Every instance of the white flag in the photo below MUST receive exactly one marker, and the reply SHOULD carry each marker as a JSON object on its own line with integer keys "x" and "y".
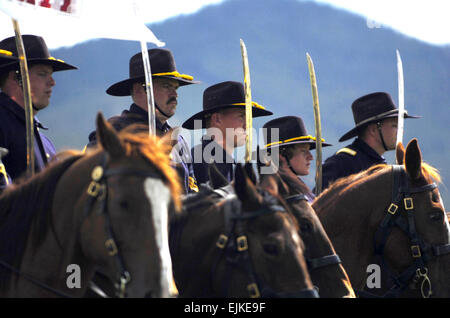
{"x": 67, "y": 22}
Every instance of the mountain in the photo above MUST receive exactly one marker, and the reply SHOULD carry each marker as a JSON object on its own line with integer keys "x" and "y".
{"x": 351, "y": 59}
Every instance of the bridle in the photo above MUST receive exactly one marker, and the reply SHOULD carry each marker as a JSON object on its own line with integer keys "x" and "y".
{"x": 421, "y": 251}
{"x": 233, "y": 245}
{"x": 98, "y": 193}
{"x": 319, "y": 262}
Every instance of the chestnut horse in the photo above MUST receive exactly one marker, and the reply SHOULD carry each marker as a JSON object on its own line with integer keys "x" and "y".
{"x": 102, "y": 211}
{"x": 394, "y": 213}
{"x": 240, "y": 242}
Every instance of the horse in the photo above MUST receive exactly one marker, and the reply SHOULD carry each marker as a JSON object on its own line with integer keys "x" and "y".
{"x": 238, "y": 241}
{"x": 324, "y": 265}
{"x": 392, "y": 214}
{"x": 102, "y": 210}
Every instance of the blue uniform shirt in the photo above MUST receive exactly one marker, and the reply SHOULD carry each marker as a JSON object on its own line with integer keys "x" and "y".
{"x": 13, "y": 138}
{"x": 180, "y": 155}
{"x": 206, "y": 152}
{"x": 351, "y": 159}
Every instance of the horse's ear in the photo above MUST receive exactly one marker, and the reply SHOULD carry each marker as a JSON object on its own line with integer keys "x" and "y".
{"x": 245, "y": 189}
{"x": 108, "y": 137}
{"x": 216, "y": 177}
{"x": 270, "y": 183}
{"x": 400, "y": 153}
{"x": 413, "y": 159}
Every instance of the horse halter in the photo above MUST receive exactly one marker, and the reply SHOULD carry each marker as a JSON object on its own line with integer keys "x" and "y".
{"x": 97, "y": 192}
{"x": 421, "y": 251}
{"x": 318, "y": 262}
{"x": 233, "y": 244}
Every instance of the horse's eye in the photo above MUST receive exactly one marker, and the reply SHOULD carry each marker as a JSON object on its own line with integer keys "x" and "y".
{"x": 436, "y": 216}
{"x": 271, "y": 248}
{"x": 305, "y": 226}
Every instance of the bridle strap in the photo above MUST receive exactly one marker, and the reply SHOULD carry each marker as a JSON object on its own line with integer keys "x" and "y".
{"x": 34, "y": 281}
{"x": 421, "y": 252}
{"x": 314, "y": 263}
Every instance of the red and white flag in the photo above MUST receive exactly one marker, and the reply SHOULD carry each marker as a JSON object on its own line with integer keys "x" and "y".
{"x": 67, "y": 22}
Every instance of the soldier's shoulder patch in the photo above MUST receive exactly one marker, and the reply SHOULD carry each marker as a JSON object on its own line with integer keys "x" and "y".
{"x": 349, "y": 151}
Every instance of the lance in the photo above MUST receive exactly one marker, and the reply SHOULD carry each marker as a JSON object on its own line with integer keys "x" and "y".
{"x": 401, "y": 99}
{"x": 248, "y": 103}
{"x": 25, "y": 79}
{"x": 318, "y": 129}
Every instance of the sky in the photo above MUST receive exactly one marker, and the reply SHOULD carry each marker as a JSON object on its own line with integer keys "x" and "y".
{"x": 425, "y": 20}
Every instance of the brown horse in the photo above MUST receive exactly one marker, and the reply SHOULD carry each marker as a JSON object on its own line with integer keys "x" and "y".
{"x": 324, "y": 265}
{"x": 394, "y": 213}
{"x": 240, "y": 242}
{"x": 89, "y": 212}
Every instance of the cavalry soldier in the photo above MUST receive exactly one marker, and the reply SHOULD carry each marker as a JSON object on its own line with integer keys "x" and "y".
{"x": 294, "y": 148}
{"x": 166, "y": 81}
{"x": 375, "y": 118}
{"x": 12, "y": 111}
{"x": 223, "y": 116}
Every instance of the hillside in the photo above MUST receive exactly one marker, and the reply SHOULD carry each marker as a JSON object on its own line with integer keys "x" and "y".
{"x": 350, "y": 59}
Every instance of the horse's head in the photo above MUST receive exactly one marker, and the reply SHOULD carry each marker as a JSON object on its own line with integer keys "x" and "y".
{"x": 272, "y": 235}
{"x": 132, "y": 191}
{"x": 425, "y": 249}
{"x": 324, "y": 265}
{"x": 238, "y": 240}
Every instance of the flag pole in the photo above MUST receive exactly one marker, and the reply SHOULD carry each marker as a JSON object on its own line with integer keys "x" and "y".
{"x": 25, "y": 79}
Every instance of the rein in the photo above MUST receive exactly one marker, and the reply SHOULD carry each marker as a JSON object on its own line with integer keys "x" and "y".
{"x": 421, "y": 251}
{"x": 234, "y": 246}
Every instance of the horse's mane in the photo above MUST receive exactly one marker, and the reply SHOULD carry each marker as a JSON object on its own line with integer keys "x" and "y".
{"x": 200, "y": 201}
{"x": 24, "y": 204}
{"x": 156, "y": 151}
{"x": 344, "y": 184}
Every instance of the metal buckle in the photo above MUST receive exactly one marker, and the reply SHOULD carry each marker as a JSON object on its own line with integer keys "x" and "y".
{"x": 253, "y": 290}
{"x": 415, "y": 251}
{"x": 222, "y": 241}
{"x": 94, "y": 188}
{"x": 111, "y": 247}
{"x": 392, "y": 208}
{"x": 408, "y": 203}
{"x": 242, "y": 243}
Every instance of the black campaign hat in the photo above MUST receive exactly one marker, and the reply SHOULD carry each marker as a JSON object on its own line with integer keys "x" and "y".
{"x": 221, "y": 96}
{"x": 372, "y": 108}
{"x": 291, "y": 130}
{"x": 36, "y": 52}
{"x": 162, "y": 64}
{"x": 6, "y": 57}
